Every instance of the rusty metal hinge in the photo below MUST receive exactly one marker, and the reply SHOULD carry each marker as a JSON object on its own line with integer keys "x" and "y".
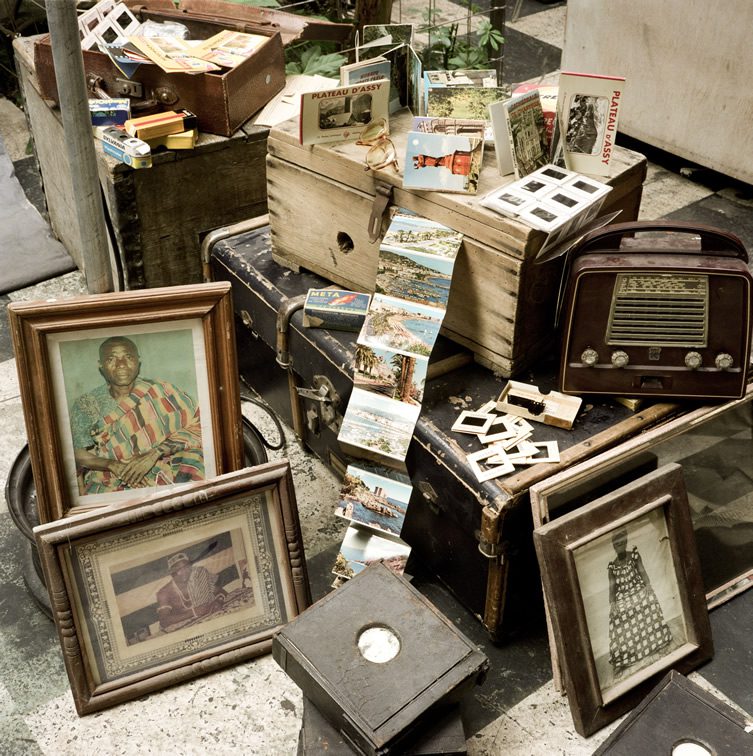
{"x": 382, "y": 199}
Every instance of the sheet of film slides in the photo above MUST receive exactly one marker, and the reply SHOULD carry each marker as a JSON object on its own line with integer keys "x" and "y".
{"x": 414, "y": 272}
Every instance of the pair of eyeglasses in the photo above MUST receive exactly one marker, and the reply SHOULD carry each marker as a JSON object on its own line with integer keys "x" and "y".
{"x": 381, "y": 152}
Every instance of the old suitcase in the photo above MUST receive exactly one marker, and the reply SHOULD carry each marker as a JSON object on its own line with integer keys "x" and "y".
{"x": 379, "y": 661}
{"x": 476, "y": 537}
{"x": 501, "y": 306}
{"x": 222, "y": 101}
{"x": 157, "y": 216}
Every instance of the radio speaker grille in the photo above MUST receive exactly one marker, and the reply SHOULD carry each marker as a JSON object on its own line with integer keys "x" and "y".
{"x": 659, "y": 310}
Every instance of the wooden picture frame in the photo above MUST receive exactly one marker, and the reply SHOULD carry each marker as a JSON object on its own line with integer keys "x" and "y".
{"x": 623, "y": 586}
{"x": 149, "y": 594}
{"x": 714, "y": 444}
{"x": 178, "y": 420}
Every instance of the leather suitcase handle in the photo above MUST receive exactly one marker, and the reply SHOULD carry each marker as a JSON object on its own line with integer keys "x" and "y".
{"x": 714, "y": 241}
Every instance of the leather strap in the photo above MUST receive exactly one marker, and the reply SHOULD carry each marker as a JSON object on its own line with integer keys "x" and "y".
{"x": 714, "y": 241}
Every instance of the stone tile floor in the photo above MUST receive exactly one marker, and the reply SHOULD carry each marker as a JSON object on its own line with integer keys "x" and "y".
{"x": 254, "y": 708}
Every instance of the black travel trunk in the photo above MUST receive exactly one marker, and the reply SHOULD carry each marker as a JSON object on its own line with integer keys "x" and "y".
{"x": 475, "y": 536}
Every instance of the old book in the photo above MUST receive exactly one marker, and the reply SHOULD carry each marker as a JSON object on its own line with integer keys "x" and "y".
{"x": 587, "y": 113}
{"x": 519, "y": 134}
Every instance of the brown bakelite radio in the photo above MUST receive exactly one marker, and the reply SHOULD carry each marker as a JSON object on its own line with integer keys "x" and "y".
{"x": 657, "y": 315}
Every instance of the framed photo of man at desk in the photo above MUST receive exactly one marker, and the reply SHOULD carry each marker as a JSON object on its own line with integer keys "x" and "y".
{"x": 127, "y": 395}
{"x": 161, "y": 591}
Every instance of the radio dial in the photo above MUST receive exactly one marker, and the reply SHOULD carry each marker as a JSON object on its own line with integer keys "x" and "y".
{"x": 589, "y": 357}
{"x": 724, "y": 361}
{"x": 620, "y": 359}
{"x": 693, "y": 360}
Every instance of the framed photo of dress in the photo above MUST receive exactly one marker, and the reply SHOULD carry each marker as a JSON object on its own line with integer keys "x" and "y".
{"x": 153, "y": 593}
{"x": 625, "y": 598}
{"x": 127, "y": 395}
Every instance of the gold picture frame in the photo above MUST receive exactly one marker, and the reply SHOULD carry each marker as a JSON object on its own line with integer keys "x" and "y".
{"x": 624, "y": 593}
{"x": 95, "y": 439}
{"x": 153, "y": 593}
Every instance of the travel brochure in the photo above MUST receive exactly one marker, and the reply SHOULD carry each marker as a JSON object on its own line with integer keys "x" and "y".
{"x": 337, "y": 115}
{"x": 414, "y": 273}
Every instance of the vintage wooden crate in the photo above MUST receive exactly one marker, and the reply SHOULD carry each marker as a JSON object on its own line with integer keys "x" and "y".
{"x": 501, "y": 305}
{"x": 158, "y": 215}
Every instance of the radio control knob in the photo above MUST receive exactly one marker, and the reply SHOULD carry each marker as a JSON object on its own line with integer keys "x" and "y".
{"x": 724, "y": 361}
{"x": 589, "y": 357}
{"x": 620, "y": 359}
{"x": 693, "y": 360}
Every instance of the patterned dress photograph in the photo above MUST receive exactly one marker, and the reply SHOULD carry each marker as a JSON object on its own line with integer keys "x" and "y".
{"x": 637, "y": 628}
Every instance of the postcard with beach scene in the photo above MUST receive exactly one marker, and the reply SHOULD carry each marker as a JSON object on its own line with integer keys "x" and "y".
{"x": 360, "y": 548}
{"x": 403, "y": 326}
{"x": 411, "y": 232}
{"x": 442, "y": 162}
{"x": 415, "y": 277}
{"x": 374, "y": 500}
{"x": 390, "y": 373}
{"x": 378, "y": 425}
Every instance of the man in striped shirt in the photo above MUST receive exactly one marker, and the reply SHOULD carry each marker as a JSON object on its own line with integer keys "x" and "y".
{"x": 192, "y": 592}
{"x": 134, "y": 432}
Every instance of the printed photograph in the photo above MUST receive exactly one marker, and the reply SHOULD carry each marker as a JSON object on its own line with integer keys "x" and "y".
{"x": 534, "y": 187}
{"x": 563, "y": 199}
{"x": 586, "y": 121}
{"x": 134, "y": 405}
{"x": 527, "y": 132}
{"x": 416, "y": 277}
{"x": 181, "y": 588}
{"x": 462, "y": 77}
{"x": 377, "y": 501}
{"x": 392, "y": 34}
{"x": 543, "y": 217}
{"x": 584, "y": 185}
{"x": 360, "y": 548}
{"x": 392, "y": 374}
{"x": 409, "y": 232}
{"x": 154, "y": 593}
{"x": 463, "y": 101}
{"x": 401, "y": 326}
{"x": 338, "y": 112}
{"x": 378, "y": 424}
{"x": 454, "y": 126}
{"x": 443, "y": 163}
{"x": 631, "y": 598}
{"x": 507, "y": 202}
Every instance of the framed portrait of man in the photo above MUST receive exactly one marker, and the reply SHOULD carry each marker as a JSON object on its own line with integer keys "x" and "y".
{"x": 127, "y": 395}
{"x": 175, "y": 586}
